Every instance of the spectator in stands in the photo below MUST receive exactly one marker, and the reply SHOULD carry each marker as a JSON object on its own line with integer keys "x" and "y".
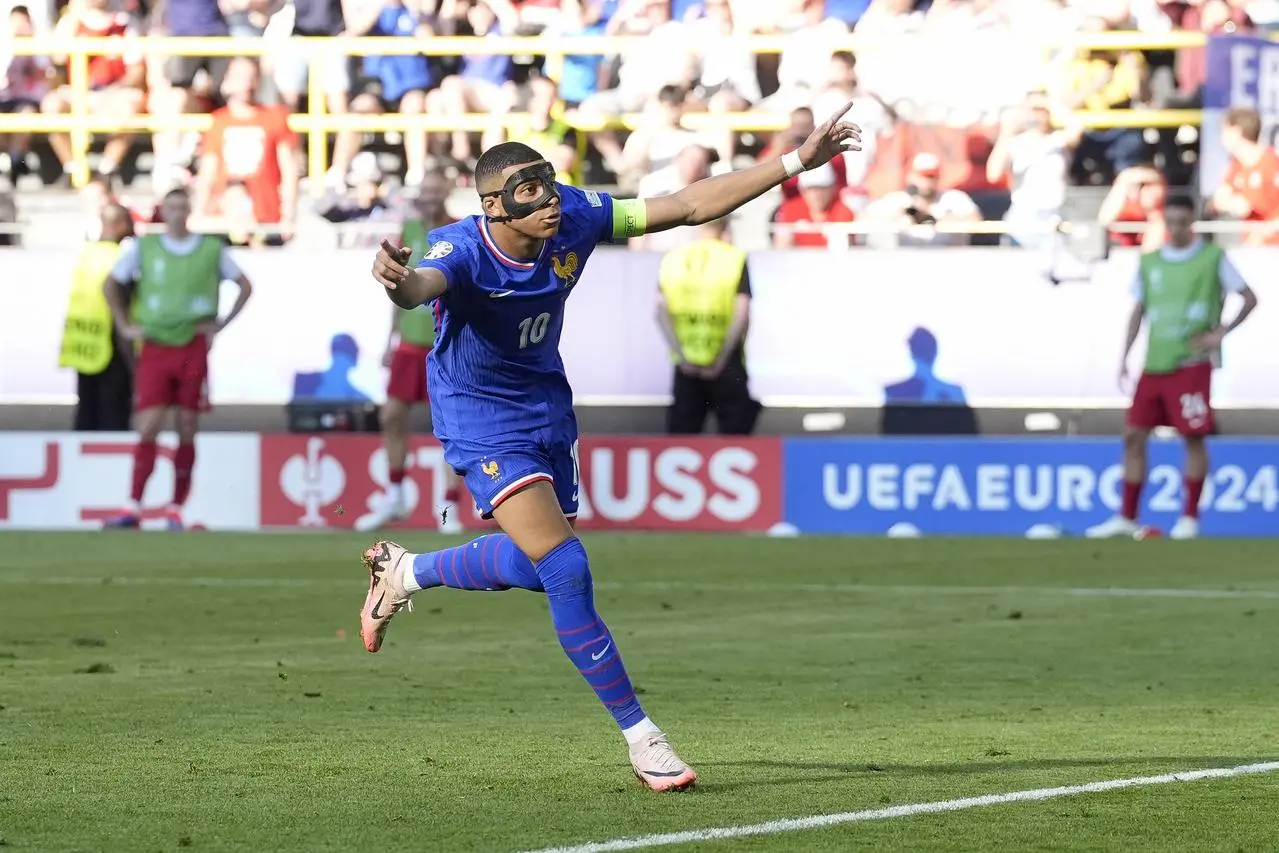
{"x": 1250, "y": 189}
{"x": 1033, "y": 156}
{"x": 919, "y": 208}
{"x": 804, "y": 218}
{"x": 536, "y": 16}
{"x": 579, "y": 78}
{"x": 250, "y": 151}
{"x": 367, "y": 202}
{"x": 1137, "y": 196}
{"x": 726, "y": 77}
{"x": 1211, "y": 17}
{"x": 543, "y": 129}
{"x": 1098, "y": 82}
{"x": 665, "y": 59}
{"x": 869, "y": 113}
{"x": 804, "y": 65}
{"x": 24, "y": 83}
{"x": 802, "y": 124}
{"x": 177, "y": 92}
{"x": 318, "y": 18}
{"x": 691, "y": 165}
{"x": 115, "y": 82}
{"x": 483, "y": 83}
{"x": 885, "y": 19}
{"x": 398, "y": 84}
{"x": 658, "y": 139}
{"x": 97, "y": 194}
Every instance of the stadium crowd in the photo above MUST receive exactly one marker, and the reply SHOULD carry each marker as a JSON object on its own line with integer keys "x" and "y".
{"x": 966, "y": 106}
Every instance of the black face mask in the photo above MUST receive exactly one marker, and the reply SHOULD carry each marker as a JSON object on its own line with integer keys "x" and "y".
{"x": 542, "y": 173}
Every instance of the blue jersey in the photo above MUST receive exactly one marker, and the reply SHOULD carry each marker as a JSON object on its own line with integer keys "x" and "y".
{"x": 500, "y": 401}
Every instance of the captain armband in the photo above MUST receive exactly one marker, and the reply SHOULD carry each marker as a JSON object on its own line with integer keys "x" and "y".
{"x": 630, "y": 218}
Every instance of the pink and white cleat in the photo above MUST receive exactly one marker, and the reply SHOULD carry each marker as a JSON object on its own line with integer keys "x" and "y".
{"x": 387, "y": 595}
{"x": 658, "y": 767}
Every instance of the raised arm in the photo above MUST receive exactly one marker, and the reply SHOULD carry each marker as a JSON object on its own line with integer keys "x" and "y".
{"x": 712, "y": 198}
{"x": 407, "y": 288}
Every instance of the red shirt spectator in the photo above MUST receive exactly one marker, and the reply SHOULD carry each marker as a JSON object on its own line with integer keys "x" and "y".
{"x": 802, "y": 125}
{"x": 817, "y": 204}
{"x": 1138, "y": 195}
{"x": 250, "y": 145}
{"x": 1250, "y": 188}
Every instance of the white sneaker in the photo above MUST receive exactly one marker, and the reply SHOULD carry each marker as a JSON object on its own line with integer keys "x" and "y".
{"x": 450, "y": 523}
{"x": 1113, "y": 528}
{"x": 389, "y": 511}
{"x": 1185, "y": 528}
{"x": 658, "y": 767}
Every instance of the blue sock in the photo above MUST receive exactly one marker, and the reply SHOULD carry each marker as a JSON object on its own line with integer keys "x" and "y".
{"x": 489, "y": 563}
{"x": 566, "y": 576}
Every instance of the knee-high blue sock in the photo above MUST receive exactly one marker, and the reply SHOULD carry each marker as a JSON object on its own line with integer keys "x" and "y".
{"x": 566, "y": 576}
{"x": 488, "y": 563}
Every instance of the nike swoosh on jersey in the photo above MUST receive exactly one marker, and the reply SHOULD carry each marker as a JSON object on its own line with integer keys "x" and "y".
{"x": 498, "y": 294}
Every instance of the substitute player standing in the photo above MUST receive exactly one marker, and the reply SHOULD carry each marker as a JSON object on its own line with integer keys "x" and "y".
{"x": 502, "y": 407}
{"x": 412, "y": 336}
{"x": 178, "y": 275}
{"x": 1180, "y": 290}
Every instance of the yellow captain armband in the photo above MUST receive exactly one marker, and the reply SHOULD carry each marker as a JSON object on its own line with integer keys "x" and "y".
{"x": 630, "y": 218}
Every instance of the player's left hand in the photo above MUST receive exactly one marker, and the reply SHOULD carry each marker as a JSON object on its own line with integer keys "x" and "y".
{"x": 714, "y": 371}
{"x": 1208, "y": 341}
{"x": 209, "y": 328}
{"x": 831, "y": 139}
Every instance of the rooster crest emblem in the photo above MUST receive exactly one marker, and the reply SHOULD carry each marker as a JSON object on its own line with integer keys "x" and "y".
{"x": 566, "y": 269}
{"x": 490, "y": 468}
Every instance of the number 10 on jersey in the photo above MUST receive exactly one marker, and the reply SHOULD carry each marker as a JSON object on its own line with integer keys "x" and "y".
{"x": 533, "y": 329}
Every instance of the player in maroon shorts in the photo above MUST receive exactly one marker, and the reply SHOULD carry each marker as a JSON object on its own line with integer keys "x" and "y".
{"x": 412, "y": 336}
{"x": 1180, "y": 290}
{"x": 175, "y": 316}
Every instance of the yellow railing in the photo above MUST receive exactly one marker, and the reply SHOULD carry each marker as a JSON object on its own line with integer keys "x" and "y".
{"x": 317, "y": 123}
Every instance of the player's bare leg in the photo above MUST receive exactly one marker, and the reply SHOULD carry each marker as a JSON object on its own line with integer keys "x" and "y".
{"x": 534, "y": 521}
{"x": 1194, "y": 474}
{"x": 148, "y": 424}
{"x": 395, "y": 438}
{"x": 1125, "y": 523}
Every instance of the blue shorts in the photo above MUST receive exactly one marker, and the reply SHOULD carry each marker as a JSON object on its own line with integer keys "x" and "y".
{"x": 494, "y": 473}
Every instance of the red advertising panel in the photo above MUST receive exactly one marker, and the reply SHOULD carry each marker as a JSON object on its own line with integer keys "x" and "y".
{"x": 626, "y": 483}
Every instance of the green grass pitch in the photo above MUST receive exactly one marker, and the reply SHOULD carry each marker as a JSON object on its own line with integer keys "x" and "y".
{"x": 210, "y": 692}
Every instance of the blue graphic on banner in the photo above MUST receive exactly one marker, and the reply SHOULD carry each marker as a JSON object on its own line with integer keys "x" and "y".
{"x": 1240, "y": 71}
{"x": 1003, "y": 487}
{"x": 333, "y": 384}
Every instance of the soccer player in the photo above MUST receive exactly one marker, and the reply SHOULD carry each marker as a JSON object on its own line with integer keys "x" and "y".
{"x": 178, "y": 275}
{"x": 502, "y": 407}
{"x": 1180, "y": 291}
{"x": 412, "y": 336}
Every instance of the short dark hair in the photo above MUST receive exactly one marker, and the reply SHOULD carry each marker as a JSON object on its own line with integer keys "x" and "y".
{"x": 672, "y": 95}
{"x": 176, "y": 191}
{"x": 845, "y": 56}
{"x": 20, "y": 10}
{"x": 1247, "y": 121}
{"x": 1183, "y": 202}
{"x": 501, "y": 157}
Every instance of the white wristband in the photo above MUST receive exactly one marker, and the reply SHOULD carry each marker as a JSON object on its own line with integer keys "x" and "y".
{"x": 792, "y": 164}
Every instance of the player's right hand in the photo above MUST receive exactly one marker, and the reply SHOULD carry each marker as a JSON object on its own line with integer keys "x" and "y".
{"x": 131, "y": 333}
{"x": 390, "y": 267}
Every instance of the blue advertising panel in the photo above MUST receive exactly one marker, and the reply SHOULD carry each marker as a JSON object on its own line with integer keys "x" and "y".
{"x": 1003, "y": 487}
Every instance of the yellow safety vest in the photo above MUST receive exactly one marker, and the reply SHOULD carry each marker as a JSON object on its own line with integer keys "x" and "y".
{"x": 86, "y": 338}
{"x": 699, "y": 282}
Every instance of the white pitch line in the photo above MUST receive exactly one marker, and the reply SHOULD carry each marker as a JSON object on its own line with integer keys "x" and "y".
{"x": 870, "y": 589}
{"x": 776, "y": 827}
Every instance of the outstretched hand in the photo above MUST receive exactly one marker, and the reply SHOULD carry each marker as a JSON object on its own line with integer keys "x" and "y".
{"x": 833, "y": 137}
{"x": 390, "y": 267}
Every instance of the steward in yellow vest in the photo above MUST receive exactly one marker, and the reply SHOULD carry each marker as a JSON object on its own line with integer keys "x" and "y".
{"x": 703, "y": 311}
{"x": 104, "y": 366}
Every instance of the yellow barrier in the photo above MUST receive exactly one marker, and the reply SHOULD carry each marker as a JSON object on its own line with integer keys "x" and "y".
{"x": 316, "y": 123}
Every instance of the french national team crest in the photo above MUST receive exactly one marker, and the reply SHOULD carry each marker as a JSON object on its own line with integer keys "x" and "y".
{"x": 566, "y": 270}
{"x": 489, "y": 466}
